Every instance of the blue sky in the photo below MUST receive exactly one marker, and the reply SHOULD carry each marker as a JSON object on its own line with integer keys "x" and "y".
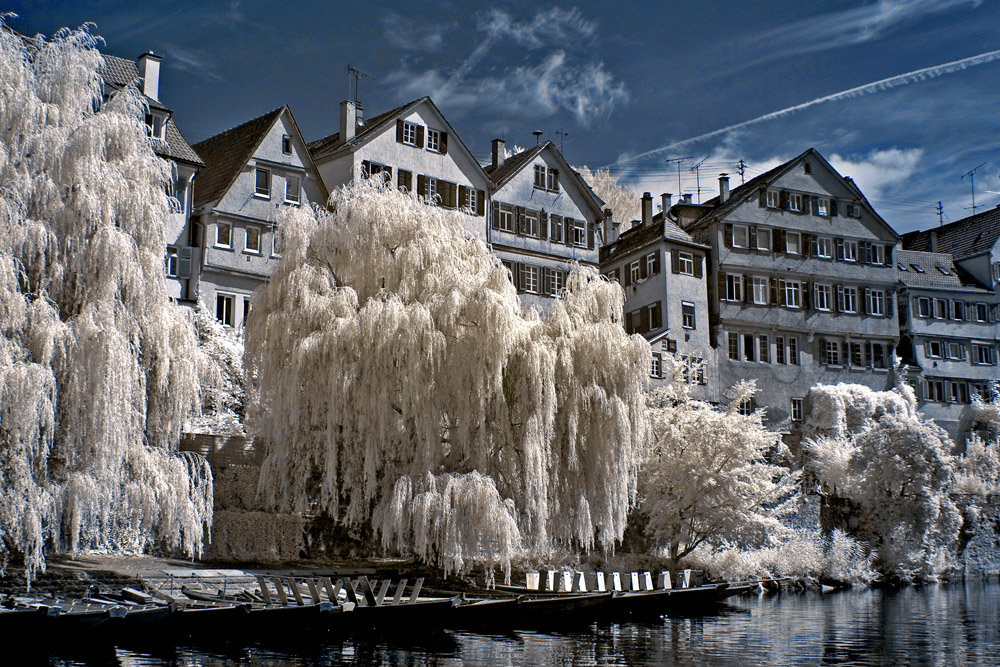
{"x": 633, "y": 84}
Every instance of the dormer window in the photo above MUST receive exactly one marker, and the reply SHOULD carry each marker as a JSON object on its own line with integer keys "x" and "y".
{"x": 156, "y": 124}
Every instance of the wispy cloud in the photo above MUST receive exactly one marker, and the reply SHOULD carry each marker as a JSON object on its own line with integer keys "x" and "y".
{"x": 915, "y": 76}
{"x": 556, "y": 73}
{"x": 195, "y": 61}
{"x": 414, "y": 34}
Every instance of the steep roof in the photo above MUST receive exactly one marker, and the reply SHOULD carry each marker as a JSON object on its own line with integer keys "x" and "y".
{"x": 121, "y": 72}
{"x": 330, "y": 143}
{"x": 513, "y": 164}
{"x": 645, "y": 235}
{"x": 227, "y": 153}
{"x": 963, "y": 238}
{"x": 938, "y": 270}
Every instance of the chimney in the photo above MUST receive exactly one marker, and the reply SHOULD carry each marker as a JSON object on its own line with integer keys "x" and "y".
{"x": 687, "y": 198}
{"x": 723, "y": 188}
{"x": 933, "y": 240}
{"x": 350, "y": 112}
{"x": 609, "y": 232}
{"x": 498, "y": 151}
{"x": 149, "y": 70}
{"x": 665, "y": 203}
{"x": 647, "y": 208}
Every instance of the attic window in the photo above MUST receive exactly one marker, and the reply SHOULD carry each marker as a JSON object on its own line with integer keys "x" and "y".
{"x": 286, "y": 144}
{"x": 807, "y": 167}
{"x": 943, "y": 270}
{"x": 916, "y": 267}
{"x": 155, "y": 125}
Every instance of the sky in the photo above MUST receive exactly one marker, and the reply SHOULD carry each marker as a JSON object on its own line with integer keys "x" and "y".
{"x": 901, "y": 95}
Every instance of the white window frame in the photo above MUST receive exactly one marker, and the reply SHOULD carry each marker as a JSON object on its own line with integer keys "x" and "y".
{"x": 923, "y": 301}
{"x": 763, "y": 233}
{"x": 473, "y": 200}
{"x": 261, "y": 193}
{"x": 286, "y": 144}
{"x": 850, "y": 300}
{"x": 228, "y": 244}
{"x": 685, "y": 263}
{"x": 796, "y": 409}
{"x": 824, "y": 247}
{"x": 552, "y": 179}
{"x": 761, "y": 286}
{"x": 876, "y": 302}
{"x": 954, "y": 350}
{"x": 958, "y": 310}
{"x": 556, "y": 282}
{"x": 733, "y": 345}
{"x": 738, "y": 231}
{"x": 823, "y": 206}
{"x": 432, "y": 191}
{"x": 433, "y": 140}
{"x": 749, "y": 347}
{"x": 850, "y": 251}
{"x": 763, "y": 349}
{"x": 172, "y": 262}
{"x": 409, "y": 133}
{"x": 793, "y": 294}
{"x": 654, "y": 370}
{"x": 798, "y": 243}
{"x": 734, "y": 287}
{"x": 831, "y": 353}
{"x": 290, "y": 196}
{"x": 505, "y": 221}
{"x": 634, "y": 273}
{"x": 223, "y": 298}
{"x": 773, "y": 199}
{"x": 529, "y": 278}
{"x": 940, "y": 310}
{"x": 792, "y": 350}
{"x": 983, "y": 316}
{"x": 981, "y": 352}
{"x": 823, "y": 297}
{"x": 689, "y": 317}
{"x": 878, "y": 254}
{"x": 935, "y": 349}
{"x": 794, "y": 202}
{"x": 246, "y": 240}
{"x": 579, "y": 233}
{"x": 650, "y": 264}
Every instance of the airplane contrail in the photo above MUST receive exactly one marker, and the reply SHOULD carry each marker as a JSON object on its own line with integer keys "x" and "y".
{"x": 867, "y": 89}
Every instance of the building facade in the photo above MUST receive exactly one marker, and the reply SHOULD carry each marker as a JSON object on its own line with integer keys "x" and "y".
{"x": 542, "y": 218}
{"x": 801, "y": 284}
{"x": 252, "y": 171}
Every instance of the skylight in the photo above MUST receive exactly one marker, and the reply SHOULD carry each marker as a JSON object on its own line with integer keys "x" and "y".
{"x": 916, "y": 267}
{"x": 943, "y": 270}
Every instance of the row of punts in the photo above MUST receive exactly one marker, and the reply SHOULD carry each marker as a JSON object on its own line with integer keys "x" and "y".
{"x": 313, "y": 608}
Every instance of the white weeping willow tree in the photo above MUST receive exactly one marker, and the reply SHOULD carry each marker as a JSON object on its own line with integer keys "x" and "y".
{"x": 401, "y": 387}
{"x": 97, "y": 368}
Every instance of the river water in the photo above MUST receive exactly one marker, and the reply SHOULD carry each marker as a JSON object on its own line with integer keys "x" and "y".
{"x": 935, "y": 625}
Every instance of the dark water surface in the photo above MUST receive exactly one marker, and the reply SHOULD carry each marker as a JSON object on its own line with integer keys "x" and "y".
{"x": 934, "y": 625}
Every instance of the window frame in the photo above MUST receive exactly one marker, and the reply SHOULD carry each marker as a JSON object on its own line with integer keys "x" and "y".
{"x": 433, "y": 143}
{"x": 761, "y": 286}
{"x": 876, "y": 303}
{"x": 745, "y": 231}
{"x": 795, "y": 202}
{"x": 978, "y": 349}
{"x": 792, "y": 350}
{"x": 878, "y": 254}
{"x": 824, "y": 247}
{"x": 685, "y": 263}
{"x": 530, "y": 278}
{"x": 246, "y": 240}
{"x": 850, "y": 300}
{"x": 851, "y": 246}
{"x": 265, "y": 191}
{"x": 763, "y": 232}
{"x": 410, "y": 128}
{"x": 831, "y": 353}
{"x": 557, "y": 282}
{"x": 634, "y": 271}
{"x": 655, "y": 368}
{"x": 221, "y": 313}
{"x": 172, "y": 262}
{"x": 286, "y": 144}
{"x": 798, "y": 243}
{"x": 795, "y": 411}
{"x": 734, "y": 287}
{"x": 823, "y": 206}
{"x": 579, "y": 232}
{"x": 773, "y": 199}
{"x": 689, "y": 316}
{"x": 927, "y": 312}
{"x": 733, "y": 345}
{"x": 228, "y": 245}
{"x": 823, "y": 297}
{"x": 793, "y": 289}
{"x": 295, "y": 199}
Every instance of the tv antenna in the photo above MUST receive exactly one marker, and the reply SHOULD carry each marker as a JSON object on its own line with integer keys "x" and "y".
{"x": 562, "y": 138}
{"x": 354, "y": 76}
{"x": 972, "y": 183}
{"x": 697, "y": 176}
{"x": 679, "y": 160}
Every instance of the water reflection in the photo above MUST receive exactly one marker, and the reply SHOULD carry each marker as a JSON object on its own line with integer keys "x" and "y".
{"x": 937, "y": 625}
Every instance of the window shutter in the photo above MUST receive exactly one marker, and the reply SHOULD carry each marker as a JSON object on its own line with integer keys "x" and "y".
{"x": 745, "y": 281}
{"x": 752, "y": 237}
{"x": 656, "y": 262}
{"x": 840, "y": 299}
{"x": 781, "y": 293}
{"x": 807, "y": 245}
{"x": 543, "y": 225}
{"x": 814, "y": 245}
{"x": 519, "y": 220}
{"x": 421, "y": 185}
{"x": 867, "y": 251}
{"x": 658, "y": 316}
{"x": 518, "y": 278}
{"x": 722, "y": 286}
{"x": 420, "y": 136}
{"x": 674, "y": 263}
{"x": 590, "y": 235}
{"x": 778, "y": 240}
{"x": 762, "y": 198}
{"x": 888, "y": 256}
{"x": 697, "y": 266}
{"x": 444, "y": 143}
{"x": 366, "y": 169}
{"x": 463, "y": 196}
{"x": 480, "y": 203}
{"x": 784, "y": 201}
{"x": 889, "y": 304}
{"x": 815, "y": 204}
{"x": 868, "y": 301}
{"x": 399, "y": 131}
{"x": 643, "y": 319}
{"x": 773, "y": 289}
{"x": 495, "y": 215}
{"x": 727, "y": 237}
{"x": 642, "y": 268}
{"x": 806, "y": 200}
{"x": 833, "y": 208}
{"x": 184, "y": 257}
{"x": 626, "y": 275}
{"x": 804, "y": 294}
{"x": 840, "y": 249}
{"x": 546, "y": 278}
{"x": 387, "y": 174}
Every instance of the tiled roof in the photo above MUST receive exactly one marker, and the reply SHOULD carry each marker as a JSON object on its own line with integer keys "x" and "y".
{"x": 962, "y": 238}
{"x": 644, "y": 235}
{"x": 121, "y": 72}
{"x": 513, "y": 164}
{"x": 330, "y": 143}
{"x": 227, "y": 153}
{"x": 931, "y": 274}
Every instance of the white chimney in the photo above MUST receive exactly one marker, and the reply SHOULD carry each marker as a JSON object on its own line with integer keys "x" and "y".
{"x": 647, "y": 208}
{"x": 723, "y": 188}
{"x": 350, "y": 111}
{"x": 149, "y": 70}
{"x": 687, "y": 198}
{"x": 665, "y": 203}
{"x": 498, "y": 152}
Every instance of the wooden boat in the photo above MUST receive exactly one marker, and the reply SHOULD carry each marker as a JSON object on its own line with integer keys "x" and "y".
{"x": 561, "y": 609}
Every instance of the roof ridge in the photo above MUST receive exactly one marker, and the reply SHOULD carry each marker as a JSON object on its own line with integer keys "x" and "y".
{"x": 241, "y": 125}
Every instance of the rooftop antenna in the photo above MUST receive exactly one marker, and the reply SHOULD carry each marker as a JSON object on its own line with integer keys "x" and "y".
{"x": 562, "y": 138}
{"x": 538, "y": 136}
{"x": 355, "y": 74}
{"x": 697, "y": 176}
{"x": 679, "y": 160}
{"x": 972, "y": 182}
{"x": 940, "y": 212}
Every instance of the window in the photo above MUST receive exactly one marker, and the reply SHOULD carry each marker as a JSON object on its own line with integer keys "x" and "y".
{"x": 996, "y": 272}
{"x": 850, "y": 251}
{"x": 854, "y": 355}
{"x": 580, "y": 233}
{"x": 247, "y": 308}
{"x": 924, "y": 306}
{"x": 263, "y": 184}
{"x": 529, "y": 278}
{"x": 779, "y": 349}
{"x": 763, "y": 238}
{"x": 958, "y": 310}
{"x": 958, "y": 392}
{"x": 793, "y": 243}
{"x": 687, "y": 315}
{"x": 793, "y": 294}
{"x": 935, "y": 390}
{"x": 763, "y": 349}
{"x": 292, "y": 189}
{"x": 171, "y": 262}
{"x": 471, "y": 202}
{"x": 955, "y": 350}
{"x": 654, "y": 370}
{"x": 409, "y": 133}
{"x": 546, "y": 179}
{"x": 823, "y": 206}
{"x": 917, "y": 268}
{"x": 831, "y": 353}
{"x": 878, "y": 254}
{"x": 853, "y": 211}
{"x": 432, "y": 190}
{"x": 878, "y": 357}
{"x": 553, "y": 182}
{"x": 740, "y": 236}
{"x": 655, "y": 320}
{"x": 531, "y": 223}
{"x": 650, "y": 264}
{"x": 760, "y": 287}
{"x": 823, "y": 297}
{"x": 539, "y": 177}
{"x": 773, "y": 199}
{"x": 404, "y": 181}
{"x": 794, "y": 202}
{"x": 223, "y": 235}
{"x": 224, "y": 308}
{"x": 685, "y": 263}
{"x": 252, "y": 244}
{"x": 286, "y": 144}
{"x": 940, "y": 309}
{"x": 849, "y": 299}
{"x": 433, "y": 140}
{"x": 734, "y": 287}
{"x": 935, "y": 349}
{"x": 748, "y": 347}
{"x": 876, "y": 302}
{"x": 633, "y": 272}
{"x": 982, "y": 355}
{"x": 796, "y": 409}
{"x": 505, "y": 218}
{"x": 746, "y": 407}
{"x": 824, "y": 247}
{"x": 275, "y": 243}
{"x": 155, "y": 125}
{"x": 982, "y": 312}
{"x": 556, "y": 282}
{"x": 733, "y": 339}
{"x": 793, "y": 351}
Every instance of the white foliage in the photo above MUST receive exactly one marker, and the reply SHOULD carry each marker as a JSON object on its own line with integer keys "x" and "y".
{"x": 223, "y": 385}
{"x": 708, "y": 478}
{"x": 97, "y": 368}
{"x": 842, "y": 409}
{"x": 623, "y": 201}
{"x": 388, "y": 345}
{"x": 978, "y": 470}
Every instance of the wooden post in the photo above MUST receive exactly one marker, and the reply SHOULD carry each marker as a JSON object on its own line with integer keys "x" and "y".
{"x": 581, "y": 582}
{"x": 665, "y": 582}
{"x": 266, "y": 594}
{"x": 281, "y": 591}
{"x": 331, "y": 592}
{"x": 294, "y": 586}
{"x": 600, "y": 583}
{"x": 352, "y": 595}
{"x": 399, "y": 591}
{"x": 382, "y": 591}
{"x": 635, "y": 581}
{"x": 647, "y": 580}
{"x": 366, "y": 589}
{"x": 313, "y": 590}
{"x": 616, "y": 582}
{"x": 551, "y": 580}
{"x": 415, "y": 593}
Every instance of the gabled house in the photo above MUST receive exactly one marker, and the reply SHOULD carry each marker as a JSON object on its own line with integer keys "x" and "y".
{"x": 662, "y": 271}
{"x": 974, "y": 242}
{"x": 412, "y": 146}
{"x": 950, "y": 339}
{"x": 543, "y": 216}
{"x": 251, "y": 172}
{"x": 801, "y": 284}
{"x": 168, "y": 143}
